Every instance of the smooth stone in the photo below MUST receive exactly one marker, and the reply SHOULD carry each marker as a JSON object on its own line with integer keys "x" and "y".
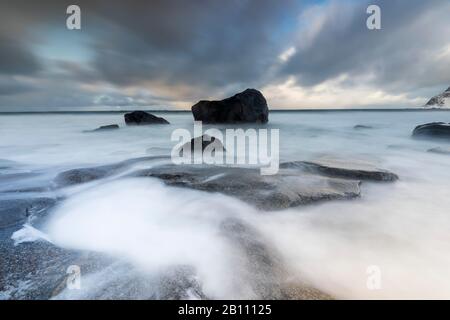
{"x": 432, "y": 130}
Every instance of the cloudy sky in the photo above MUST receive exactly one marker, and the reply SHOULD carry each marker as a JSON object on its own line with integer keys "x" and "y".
{"x": 169, "y": 54}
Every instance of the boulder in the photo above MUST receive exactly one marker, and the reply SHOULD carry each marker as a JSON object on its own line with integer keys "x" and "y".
{"x": 248, "y": 106}
{"x": 143, "y": 118}
{"x": 432, "y": 130}
{"x": 204, "y": 140}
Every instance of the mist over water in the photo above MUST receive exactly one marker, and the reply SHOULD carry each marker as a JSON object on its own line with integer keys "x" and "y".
{"x": 403, "y": 228}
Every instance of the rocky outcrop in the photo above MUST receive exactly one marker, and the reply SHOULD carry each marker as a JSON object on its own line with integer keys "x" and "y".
{"x": 440, "y": 101}
{"x": 247, "y": 106}
{"x": 143, "y": 118}
{"x": 289, "y": 188}
{"x": 432, "y": 130}
{"x": 343, "y": 168}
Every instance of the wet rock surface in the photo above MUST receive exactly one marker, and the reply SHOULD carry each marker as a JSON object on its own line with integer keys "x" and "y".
{"x": 344, "y": 168}
{"x": 289, "y": 188}
{"x": 432, "y": 130}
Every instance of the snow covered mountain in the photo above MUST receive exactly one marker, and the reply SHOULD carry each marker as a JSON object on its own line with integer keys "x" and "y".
{"x": 440, "y": 101}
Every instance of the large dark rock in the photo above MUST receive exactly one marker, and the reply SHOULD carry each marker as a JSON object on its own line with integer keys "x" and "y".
{"x": 247, "y": 106}
{"x": 143, "y": 118}
{"x": 434, "y": 130}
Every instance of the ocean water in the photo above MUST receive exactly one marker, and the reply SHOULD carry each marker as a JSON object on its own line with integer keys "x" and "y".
{"x": 402, "y": 229}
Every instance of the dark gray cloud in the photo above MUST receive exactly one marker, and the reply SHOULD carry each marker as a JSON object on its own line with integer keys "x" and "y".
{"x": 402, "y": 56}
{"x": 157, "y": 52}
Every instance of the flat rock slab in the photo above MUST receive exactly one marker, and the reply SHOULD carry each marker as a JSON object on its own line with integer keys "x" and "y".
{"x": 289, "y": 188}
{"x": 343, "y": 168}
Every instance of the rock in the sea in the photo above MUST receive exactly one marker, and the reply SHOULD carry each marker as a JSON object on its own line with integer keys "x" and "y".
{"x": 440, "y": 150}
{"x": 289, "y": 188}
{"x": 343, "y": 168}
{"x": 247, "y": 106}
{"x": 203, "y": 141}
{"x": 143, "y": 118}
{"x": 362, "y": 127}
{"x": 106, "y": 128}
{"x": 433, "y": 129}
{"x": 84, "y": 175}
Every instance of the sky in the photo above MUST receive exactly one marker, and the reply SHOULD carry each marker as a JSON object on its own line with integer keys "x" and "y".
{"x": 169, "y": 54}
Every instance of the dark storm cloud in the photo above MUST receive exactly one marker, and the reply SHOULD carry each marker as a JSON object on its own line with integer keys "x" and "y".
{"x": 401, "y": 56}
{"x": 204, "y": 43}
{"x": 16, "y": 59}
{"x": 184, "y": 50}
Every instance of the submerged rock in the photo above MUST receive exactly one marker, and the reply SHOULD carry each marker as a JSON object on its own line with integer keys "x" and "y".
{"x": 262, "y": 268}
{"x": 105, "y": 128}
{"x": 439, "y": 150}
{"x": 18, "y": 211}
{"x": 362, "y": 127}
{"x": 343, "y": 168}
{"x": 289, "y": 188}
{"x": 143, "y": 118}
{"x": 84, "y": 175}
{"x": 203, "y": 141}
{"x": 247, "y": 106}
{"x": 434, "y": 130}
{"x": 180, "y": 283}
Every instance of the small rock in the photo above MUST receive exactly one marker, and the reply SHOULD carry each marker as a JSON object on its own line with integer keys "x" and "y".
{"x": 204, "y": 140}
{"x": 439, "y": 150}
{"x": 362, "y": 127}
{"x": 108, "y": 127}
{"x": 143, "y": 118}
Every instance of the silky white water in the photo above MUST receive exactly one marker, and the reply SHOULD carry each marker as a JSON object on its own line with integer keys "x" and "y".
{"x": 402, "y": 228}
